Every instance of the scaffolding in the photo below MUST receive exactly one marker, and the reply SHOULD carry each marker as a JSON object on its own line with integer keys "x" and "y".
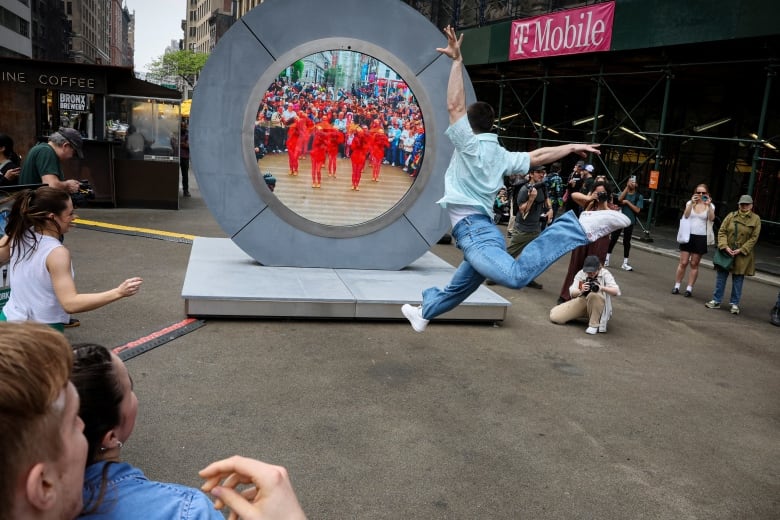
{"x": 650, "y": 124}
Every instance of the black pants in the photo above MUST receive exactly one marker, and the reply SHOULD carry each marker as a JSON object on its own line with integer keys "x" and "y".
{"x": 184, "y": 164}
{"x": 627, "y": 232}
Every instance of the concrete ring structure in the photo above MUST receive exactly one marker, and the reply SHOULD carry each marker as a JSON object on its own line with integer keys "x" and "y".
{"x": 242, "y": 66}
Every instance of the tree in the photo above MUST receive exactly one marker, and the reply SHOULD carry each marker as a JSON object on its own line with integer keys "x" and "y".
{"x": 184, "y": 64}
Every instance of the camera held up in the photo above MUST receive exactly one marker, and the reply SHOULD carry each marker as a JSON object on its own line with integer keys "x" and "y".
{"x": 593, "y": 285}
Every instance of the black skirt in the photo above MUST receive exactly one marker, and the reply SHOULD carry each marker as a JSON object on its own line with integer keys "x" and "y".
{"x": 696, "y": 245}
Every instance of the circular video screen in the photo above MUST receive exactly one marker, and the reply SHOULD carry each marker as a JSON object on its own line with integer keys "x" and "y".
{"x": 339, "y": 137}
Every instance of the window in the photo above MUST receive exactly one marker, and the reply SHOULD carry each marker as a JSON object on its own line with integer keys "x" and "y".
{"x": 69, "y": 8}
{"x": 13, "y": 22}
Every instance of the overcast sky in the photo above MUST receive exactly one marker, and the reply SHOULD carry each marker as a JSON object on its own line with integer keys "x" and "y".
{"x": 157, "y": 22}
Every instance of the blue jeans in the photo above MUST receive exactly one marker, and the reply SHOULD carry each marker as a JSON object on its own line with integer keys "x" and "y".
{"x": 485, "y": 256}
{"x": 720, "y": 286}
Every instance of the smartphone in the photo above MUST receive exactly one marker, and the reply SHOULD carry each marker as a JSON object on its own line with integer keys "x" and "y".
{"x": 632, "y": 178}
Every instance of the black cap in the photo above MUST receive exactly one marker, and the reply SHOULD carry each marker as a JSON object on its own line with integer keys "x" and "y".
{"x": 74, "y": 138}
{"x": 591, "y": 264}
{"x": 539, "y": 169}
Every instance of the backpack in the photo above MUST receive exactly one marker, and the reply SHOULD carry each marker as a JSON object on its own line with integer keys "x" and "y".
{"x": 555, "y": 188}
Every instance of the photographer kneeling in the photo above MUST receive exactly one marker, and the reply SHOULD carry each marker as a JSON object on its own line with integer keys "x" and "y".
{"x": 591, "y": 294}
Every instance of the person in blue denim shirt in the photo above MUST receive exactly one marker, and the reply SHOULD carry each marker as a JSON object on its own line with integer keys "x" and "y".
{"x": 475, "y": 174}
{"x": 112, "y": 488}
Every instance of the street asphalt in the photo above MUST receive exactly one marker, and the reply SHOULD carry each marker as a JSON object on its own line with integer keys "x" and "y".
{"x": 672, "y": 414}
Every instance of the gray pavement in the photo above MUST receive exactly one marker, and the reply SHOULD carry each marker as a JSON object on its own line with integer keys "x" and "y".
{"x": 673, "y": 414}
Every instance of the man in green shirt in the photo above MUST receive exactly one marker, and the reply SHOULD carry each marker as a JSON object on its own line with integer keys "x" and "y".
{"x": 42, "y": 164}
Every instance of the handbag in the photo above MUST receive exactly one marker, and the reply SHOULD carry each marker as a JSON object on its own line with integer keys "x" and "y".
{"x": 684, "y": 231}
{"x": 721, "y": 259}
{"x": 710, "y": 234}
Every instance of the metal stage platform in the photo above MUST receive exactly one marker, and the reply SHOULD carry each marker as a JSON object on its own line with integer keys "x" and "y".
{"x": 223, "y": 281}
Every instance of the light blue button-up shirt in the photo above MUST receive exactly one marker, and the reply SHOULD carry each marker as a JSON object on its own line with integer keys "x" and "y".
{"x": 477, "y": 169}
{"x": 131, "y": 496}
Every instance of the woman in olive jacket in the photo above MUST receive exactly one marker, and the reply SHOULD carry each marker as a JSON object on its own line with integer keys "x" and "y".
{"x": 747, "y": 226}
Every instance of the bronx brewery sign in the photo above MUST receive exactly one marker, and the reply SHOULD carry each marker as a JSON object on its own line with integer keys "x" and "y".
{"x": 575, "y": 31}
{"x": 74, "y": 102}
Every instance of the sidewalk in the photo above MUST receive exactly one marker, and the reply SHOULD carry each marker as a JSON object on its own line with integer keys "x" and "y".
{"x": 664, "y": 242}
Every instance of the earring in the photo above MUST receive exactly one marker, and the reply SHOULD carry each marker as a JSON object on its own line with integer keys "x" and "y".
{"x": 119, "y": 444}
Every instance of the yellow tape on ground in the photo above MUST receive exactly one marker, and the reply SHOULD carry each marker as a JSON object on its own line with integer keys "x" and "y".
{"x": 131, "y": 228}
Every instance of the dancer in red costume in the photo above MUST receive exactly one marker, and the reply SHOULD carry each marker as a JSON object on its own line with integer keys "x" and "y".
{"x": 318, "y": 148}
{"x": 307, "y": 127}
{"x": 359, "y": 149}
{"x": 293, "y": 145}
{"x": 335, "y": 138}
{"x": 378, "y": 143}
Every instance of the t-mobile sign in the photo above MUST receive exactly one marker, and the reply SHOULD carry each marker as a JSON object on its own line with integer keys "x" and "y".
{"x": 576, "y": 31}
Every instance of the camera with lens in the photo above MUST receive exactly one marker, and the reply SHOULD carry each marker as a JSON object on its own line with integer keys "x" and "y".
{"x": 535, "y": 186}
{"x": 593, "y": 285}
{"x": 603, "y": 196}
{"x": 83, "y": 194}
{"x": 704, "y": 198}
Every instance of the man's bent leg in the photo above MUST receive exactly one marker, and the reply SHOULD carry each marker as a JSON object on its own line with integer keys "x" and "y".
{"x": 437, "y": 301}
{"x": 554, "y": 242}
{"x": 481, "y": 243}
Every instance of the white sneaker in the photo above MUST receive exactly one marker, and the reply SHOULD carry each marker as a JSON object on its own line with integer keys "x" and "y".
{"x": 602, "y": 328}
{"x": 414, "y": 315}
{"x": 626, "y": 267}
{"x": 591, "y": 330}
{"x": 597, "y": 224}
{"x": 606, "y": 261}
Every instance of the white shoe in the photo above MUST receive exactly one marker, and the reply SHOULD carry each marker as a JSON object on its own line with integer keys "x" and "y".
{"x": 414, "y": 315}
{"x": 597, "y": 224}
{"x": 606, "y": 261}
{"x": 626, "y": 267}
{"x": 602, "y": 328}
{"x": 591, "y": 330}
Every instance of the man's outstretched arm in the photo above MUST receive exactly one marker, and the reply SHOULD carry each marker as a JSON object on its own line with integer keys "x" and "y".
{"x": 550, "y": 154}
{"x": 456, "y": 95}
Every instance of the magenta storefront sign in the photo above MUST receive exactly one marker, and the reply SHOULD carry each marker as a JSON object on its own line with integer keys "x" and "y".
{"x": 575, "y": 31}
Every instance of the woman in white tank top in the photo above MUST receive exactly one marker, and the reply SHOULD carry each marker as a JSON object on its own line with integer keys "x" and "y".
{"x": 40, "y": 272}
{"x": 701, "y": 212}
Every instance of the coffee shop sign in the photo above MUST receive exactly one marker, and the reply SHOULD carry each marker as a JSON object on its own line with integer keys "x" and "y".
{"x": 574, "y": 31}
{"x": 47, "y": 80}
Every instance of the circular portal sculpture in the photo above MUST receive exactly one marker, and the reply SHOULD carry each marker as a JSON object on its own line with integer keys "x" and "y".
{"x": 249, "y": 58}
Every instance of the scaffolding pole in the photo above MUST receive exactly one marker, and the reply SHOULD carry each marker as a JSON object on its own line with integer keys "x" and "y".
{"x": 760, "y": 132}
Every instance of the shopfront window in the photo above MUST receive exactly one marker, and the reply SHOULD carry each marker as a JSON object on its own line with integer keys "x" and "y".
{"x": 147, "y": 129}
{"x": 63, "y": 109}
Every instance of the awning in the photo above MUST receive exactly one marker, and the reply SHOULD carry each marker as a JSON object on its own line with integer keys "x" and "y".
{"x": 185, "y": 107}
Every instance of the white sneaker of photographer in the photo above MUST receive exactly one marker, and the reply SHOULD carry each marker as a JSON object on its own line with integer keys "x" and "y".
{"x": 591, "y": 330}
{"x": 597, "y": 224}
{"x": 414, "y": 315}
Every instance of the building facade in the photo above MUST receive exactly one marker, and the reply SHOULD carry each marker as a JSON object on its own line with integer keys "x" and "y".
{"x": 199, "y": 24}
{"x": 241, "y": 7}
{"x": 50, "y": 30}
{"x": 15, "y": 36}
